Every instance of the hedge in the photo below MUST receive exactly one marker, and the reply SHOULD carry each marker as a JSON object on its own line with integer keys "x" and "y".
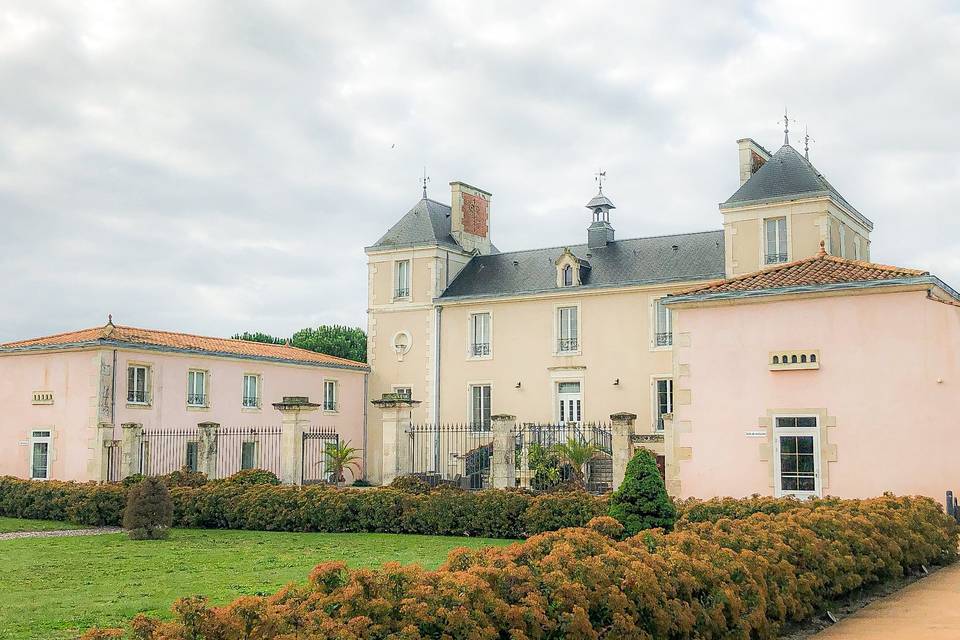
{"x": 729, "y": 578}
{"x": 266, "y": 507}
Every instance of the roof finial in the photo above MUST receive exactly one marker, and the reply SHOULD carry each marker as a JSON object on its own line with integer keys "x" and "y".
{"x": 425, "y": 180}
{"x": 823, "y": 249}
{"x": 786, "y": 127}
{"x": 806, "y": 142}
{"x": 110, "y": 319}
{"x": 599, "y": 177}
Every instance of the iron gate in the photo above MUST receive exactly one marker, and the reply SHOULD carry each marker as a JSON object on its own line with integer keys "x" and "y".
{"x": 313, "y": 465}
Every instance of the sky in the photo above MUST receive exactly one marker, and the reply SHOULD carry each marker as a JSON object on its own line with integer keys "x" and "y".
{"x": 219, "y": 166}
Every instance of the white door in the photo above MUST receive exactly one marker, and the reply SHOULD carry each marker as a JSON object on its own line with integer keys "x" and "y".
{"x": 569, "y": 403}
{"x": 797, "y": 456}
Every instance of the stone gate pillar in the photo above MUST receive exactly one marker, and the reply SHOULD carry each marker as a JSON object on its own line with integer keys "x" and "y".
{"x": 130, "y": 448}
{"x": 293, "y": 411}
{"x": 396, "y": 412}
{"x": 503, "y": 470}
{"x": 622, "y": 430}
{"x": 98, "y": 463}
{"x": 208, "y": 448}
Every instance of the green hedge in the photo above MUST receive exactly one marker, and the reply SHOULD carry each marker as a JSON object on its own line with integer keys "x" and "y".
{"x": 732, "y": 578}
{"x": 226, "y": 505}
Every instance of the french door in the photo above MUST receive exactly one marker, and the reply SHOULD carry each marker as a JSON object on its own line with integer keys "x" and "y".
{"x": 797, "y": 456}
{"x": 569, "y": 403}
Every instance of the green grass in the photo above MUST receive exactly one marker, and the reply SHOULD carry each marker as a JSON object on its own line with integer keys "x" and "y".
{"x": 51, "y": 588}
{"x": 10, "y": 525}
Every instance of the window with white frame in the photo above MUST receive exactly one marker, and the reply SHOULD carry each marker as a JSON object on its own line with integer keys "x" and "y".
{"x": 479, "y": 334}
{"x": 196, "y": 388}
{"x": 40, "y": 455}
{"x": 664, "y": 400}
{"x": 137, "y": 376}
{"x": 480, "y": 407}
{"x": 330, "y": 395}
{"x": 402, "y": 277}
{"x": 775, "y": 232}
{"x": 251, "y": 390}
{"x": 569, "y": 402}
{"x": 568, "y": 276}
{"x": 797, "y": 461}
{"x": 567, "y": 330}
{"x": 404, "y": 392}
{"x": 663, "y": 324}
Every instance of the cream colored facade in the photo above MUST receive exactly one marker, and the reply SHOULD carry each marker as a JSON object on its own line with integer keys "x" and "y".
{"x": 422, "y": 342}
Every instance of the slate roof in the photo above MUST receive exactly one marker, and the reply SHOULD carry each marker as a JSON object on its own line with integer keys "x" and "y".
{"x": 116, "y": 335}
{"x": 698, "y": 256}
{"x": 786, "y": 176}
{"x": 428, "y": 223}
{"x": 821, "y": 269}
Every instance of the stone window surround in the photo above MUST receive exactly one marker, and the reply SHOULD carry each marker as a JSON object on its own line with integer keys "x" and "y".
{"x": 51, "y": 441}
{"x": 653, "y": 324}
{"x": 336, "y": 396}
{"x": 556, "y": 329}
{"x": 206, "y": 390}
{"x": 827, "y": 453}
{"x": 148, "y": 384}
{"x": 259, "y": 408}
{"x": 470, "y": 315}
{"x": 763, "y": 239}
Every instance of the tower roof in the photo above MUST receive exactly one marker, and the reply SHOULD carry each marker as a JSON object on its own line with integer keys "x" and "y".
{"x": 787, "y": 176}
{"x": 427, "y": 223}
{"x": 600, "y": 200}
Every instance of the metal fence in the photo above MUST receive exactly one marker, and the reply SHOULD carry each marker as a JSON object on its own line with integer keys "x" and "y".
{"x": 164, "y": 451}
{"x": 456, "y": 454}
{"x": 551, "y": 454}
{"x": 113, "y": 452}
{"x": 317, "y": 440}
{"x": 247, "y": 448}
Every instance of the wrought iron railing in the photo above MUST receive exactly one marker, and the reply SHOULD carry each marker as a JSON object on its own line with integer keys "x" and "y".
{"x": 331, "y": 405}
{"x": 402, "y": 293}
{"x": 541, "y": 460}
{"x": 140, "y": 397}
{"x": 317, "y": 439}
{"x": 664, "y": 338}
{"x": 196, "y": 399}
{"x": 567, "y": 344}
{"x": 774, "y": 258}
{"x": 480, "y": 349}
{"x": 248, "y": 448}
{"x": 453, "y": 454}
{"x": 251, "y": 401}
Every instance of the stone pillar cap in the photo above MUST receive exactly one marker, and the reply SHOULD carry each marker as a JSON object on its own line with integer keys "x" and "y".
{"x": 503, "y": 416}
{"x": 623, "y": 416}
{"x": 295, "y": 402}
{"x": 394, "y": 400}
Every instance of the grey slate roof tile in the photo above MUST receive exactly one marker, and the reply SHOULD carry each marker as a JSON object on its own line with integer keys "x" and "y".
{"x": 428, "y": 223}
{"x": 698, "y": 256}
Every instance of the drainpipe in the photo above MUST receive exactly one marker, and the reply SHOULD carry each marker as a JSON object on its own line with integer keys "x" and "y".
{"x": 113, "y": 391}
{"x": 436, "y": 386}
{"x": 366, "y": 393}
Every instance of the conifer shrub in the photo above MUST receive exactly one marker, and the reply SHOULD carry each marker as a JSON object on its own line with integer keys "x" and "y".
{"x": 641, "y": 502}
{"x": 149, "y": 512}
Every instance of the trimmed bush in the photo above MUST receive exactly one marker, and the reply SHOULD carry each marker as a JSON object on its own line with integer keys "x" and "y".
{"x": 642, "y": 502}
{"x": 410, "y": 484}
{"x": 743, "y": 578}
{"x": 184, "y": 477}
{"x": 149, "y": 512}
{"x": 246, "y": 477}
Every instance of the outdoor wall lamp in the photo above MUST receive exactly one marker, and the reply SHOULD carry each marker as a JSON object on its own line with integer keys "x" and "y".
{"x": 616, "y": 382}
{"x": 517, "y": 386}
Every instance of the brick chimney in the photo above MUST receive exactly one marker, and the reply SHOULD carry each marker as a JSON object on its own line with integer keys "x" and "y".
{"x": 752, "y": 157}
{"x": 470, "y": 216}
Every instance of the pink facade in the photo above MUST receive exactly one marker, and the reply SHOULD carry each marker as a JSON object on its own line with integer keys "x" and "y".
{"x": 79, "y": 383}
{"x": 885, "y": 396}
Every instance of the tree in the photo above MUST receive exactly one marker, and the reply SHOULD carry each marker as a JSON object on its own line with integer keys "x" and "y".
{"x": 335, "y": 340}
{"x": 576, "y": 454}
{"x": 149, "y": 511}
{"x": 642, "y": 502}
{"x": 341, "y": 457}
{"x": 258, "y": 336}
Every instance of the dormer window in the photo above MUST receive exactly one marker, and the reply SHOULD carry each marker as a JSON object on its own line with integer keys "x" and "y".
{"x": 570, "y": 269}
{"x": 568, "y": 276}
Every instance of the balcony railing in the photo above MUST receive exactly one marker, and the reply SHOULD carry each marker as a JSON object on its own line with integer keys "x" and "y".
{"x": 138, "y": 397}
{"x": 480, "y": 349}
{"x": 251, "y": 401}
{"x": 567, "y": 344}
{"x": 331, "y": 405}
{"x": 664, "y": 338}
{"x": 196, "y": 400}
{"x": 775, "y": 258}
{"x": 402, "y": 293}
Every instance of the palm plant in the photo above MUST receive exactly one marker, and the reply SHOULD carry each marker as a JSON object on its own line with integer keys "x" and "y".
{"x": 341, "y": 457}
{"x": 577, "y": 455}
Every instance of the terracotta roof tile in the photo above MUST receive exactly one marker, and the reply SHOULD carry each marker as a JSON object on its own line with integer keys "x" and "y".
{"x": 185, "y": 341}
{"x": 821, "y": 269}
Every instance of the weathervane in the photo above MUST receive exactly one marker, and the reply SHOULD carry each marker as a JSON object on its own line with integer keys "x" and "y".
{"x": 425, "y": 180}
{"x": 599, "y": 177}
{"x": 806, "y": 142}
{"x": 786, "y": 127}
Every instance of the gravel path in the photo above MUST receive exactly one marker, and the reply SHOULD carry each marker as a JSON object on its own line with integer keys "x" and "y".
{"x": 59, "y": 534}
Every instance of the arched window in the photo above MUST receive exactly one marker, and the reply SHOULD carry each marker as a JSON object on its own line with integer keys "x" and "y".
{"x": 803, "y": 358}
{"x": 568, "y": 276}
{"x": 793, "y": 360}
{"x": 813, "y": 357}
{"x": 784, "y": 359}
{"x": 776, "y": 359}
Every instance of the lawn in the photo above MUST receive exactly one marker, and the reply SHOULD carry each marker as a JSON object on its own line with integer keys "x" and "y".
{"x": 10, "y": 525}
{"x": 52, "y": 587}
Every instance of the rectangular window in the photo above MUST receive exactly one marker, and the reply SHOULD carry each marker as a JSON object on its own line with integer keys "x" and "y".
{"x": 404, "y": 392}
{"x": 663, "y": 329}
{"x": 40, "y": 455}
{"x": 251, "y": 390}
{"x": 193, "y": 458}
{"x": 480, "y": 407}
{"x": 567, "y": 331}
{"x": 664, "y": 400}
{"x": 775, "y": 231}
{"x": 137, "y": 384}
{"x": 570, "y": 402}
{"x": 797, "y": 459}
{"x": 330, "y": 395}
{"x": 480, "y": 334}
{"x": 248, "y": 455}
{"x": 402, "y": 274}
{"x": 196, "y": 388}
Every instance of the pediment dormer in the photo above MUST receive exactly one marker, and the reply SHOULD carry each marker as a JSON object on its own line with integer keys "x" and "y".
{"x": 571, "y": 270}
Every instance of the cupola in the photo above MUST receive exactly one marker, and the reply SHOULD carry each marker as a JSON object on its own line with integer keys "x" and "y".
{"x": 600, "y": 232}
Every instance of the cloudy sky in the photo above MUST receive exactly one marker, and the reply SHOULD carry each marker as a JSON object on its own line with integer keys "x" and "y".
{"x": 214, "y": 167}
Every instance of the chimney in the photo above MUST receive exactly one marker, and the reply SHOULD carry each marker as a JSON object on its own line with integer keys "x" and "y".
{"x": 600, "y": 231}
{"x": 752, "y": 157}
{"x": 470, "y": 217}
